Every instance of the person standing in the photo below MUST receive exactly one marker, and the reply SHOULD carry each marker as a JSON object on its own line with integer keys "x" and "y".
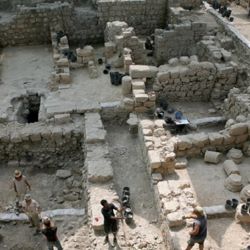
{"x": 50, "y": 230}
{"x": 110, "y": 220}
{"x": 21, "y": 185}
{"x": 32, "y": 209}
{"x": 198, "y": 233}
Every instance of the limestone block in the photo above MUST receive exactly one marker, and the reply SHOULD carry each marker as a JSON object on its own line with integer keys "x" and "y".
{"x": 159, "y": 123}
{"x": 163, "y": 189}
{"x": 151, "y": 96}
{"x": 62, "y": 118}
{"x": 245, "y": 193}
{"x": 170, "y": 206}
{"x": 173, "y": 62}
{"x": 99, "y": 170}
{"x": 184, "y": 60}
{"x": 141, "y": 97}
{"x": 87, "y": 51}
{"x": 110, "y": 49}
{"x": 141, "y": 71}
{"x": 154, "y": 159}
{"x": 64, "y": 40}
{"x": 147, "y": 132}
{"x": 233, "y": 183}
{"x": 163, "y": 77}
{"x": 246, "y": 148}
{"x": 175, "y": 219}
{"x": 228, "y": 139}
{"x": 236, "y": 155}
{"x": 156, "y": 177}
{"x": 230, "y": 167}
{"x": 215, "y": 139}
{"x": 149, "y": 104}
{"x": 137, "y": 84}
{"x": 181, "y": 163}
{"x": 63, "y": 62}
{"x": 63, "y": 173}
{"x": 241, "y": 138}
{"x": 200, "y": 140}
{"x": 35, "y": 135}
{"x": 147, "y": 124}
{"x": 238, "y": 129}
{"x": 158, "y": 132}
{"x": 64, "y": 78}
{"x": 184, "y": 142}
{"x": 126, "y": 85}
{"x": 212, "y": 157}
{"x": 141, "y": 109}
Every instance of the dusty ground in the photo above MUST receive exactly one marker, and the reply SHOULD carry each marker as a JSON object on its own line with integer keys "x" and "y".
{"x": 45, "y": 188}
{"x": 208, "y": 184}
{"x": 241, "y": 21}
{"x": 72, "y": 232}
{"x": 130, "y": 170}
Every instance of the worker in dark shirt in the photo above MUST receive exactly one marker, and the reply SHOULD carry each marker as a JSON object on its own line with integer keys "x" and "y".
{"x": 198, "y": 233}
{"x": 110, "y": 220}
{"x": 49, "y": 230}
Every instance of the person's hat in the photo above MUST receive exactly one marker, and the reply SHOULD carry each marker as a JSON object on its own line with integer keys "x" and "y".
{"x": 46, "y": 220}
{"x": 199, "y": 210}
{"x": 18, "y": 173}
{"x": 27, "y": 197}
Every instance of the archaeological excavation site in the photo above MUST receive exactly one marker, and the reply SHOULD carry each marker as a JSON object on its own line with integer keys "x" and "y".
{"x": 142, "y": 103}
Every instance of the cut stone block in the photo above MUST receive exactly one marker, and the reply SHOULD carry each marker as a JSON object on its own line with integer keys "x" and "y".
{"x": 137, "y": 84}
{"x": 238, "y": 129}
{"x": 236, "y": 155}
{"x": 181, "y": 163}
{"x": 218, "y": 212}
{"x": 141, "y": 71}
{"x": 245, "y": 193}
{"x": 233, "y": 183}
{"x": 141, "y": 97}
{"x": 63, "y": 174}
{"x": 126, "y": 85}
{"x": 230, "y": 167}
{"x": 154, "y": 159}
{"x": 99, "y": 170}
{"x": 216, "y": 139}
{"x": 175, "y": 219}
{"x": 212, "y": 157}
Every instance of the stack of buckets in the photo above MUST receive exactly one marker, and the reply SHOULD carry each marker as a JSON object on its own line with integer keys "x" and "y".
{"x": 128, "y": 214}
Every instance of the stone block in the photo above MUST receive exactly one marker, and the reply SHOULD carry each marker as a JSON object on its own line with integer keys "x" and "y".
{"x": 147, "y": 124}
{"x": 137, "y": 84}
{"x": 63, "y": 62}
{"x": 126, "y": 85}
{"x": 233, "y": 183}
{"x": 62, "y": 118}
{"x": 141, "y": 71}
{"x": 181, "y": 163}
{"x": 141, "y": 97}
{"x": 175, "y": 219}
{"x": 154, "y": 159}
{"x": 184, "y": 142}
{"x": 215, "y": 139}
{"x": 238, "y": 129}
{"x": 230, "y": 167}
{"x": 63, "y": 173}
{"x": 99, "y": 170}
{"x": 212, "y": 157}
{"x": 236, "y": 155}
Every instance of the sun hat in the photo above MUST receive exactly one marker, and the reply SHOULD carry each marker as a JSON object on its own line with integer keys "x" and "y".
{"x": 18, "y": 173}
{"x": 199, "y": 210}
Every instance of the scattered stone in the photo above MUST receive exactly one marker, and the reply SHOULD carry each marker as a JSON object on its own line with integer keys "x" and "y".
{"x": 181, "y": 163}
{"x": 63, "y": 174}
{"x": 212, "y": 157}
{"x": 230, "y": 167}
{"x": 233, "y": 183}
{"x": 236, "y": 155}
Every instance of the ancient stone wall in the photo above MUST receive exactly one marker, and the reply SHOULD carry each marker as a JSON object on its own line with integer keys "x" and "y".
{"x": 40, "y": 144}
{"x": 187, "y": 79}
{"x": 178, "y": 40}
{"x": 143, "y": 15}
{"x": 237, "y": 103}
{"x": 189, "y": 4}
{"x": 32, "y": 25}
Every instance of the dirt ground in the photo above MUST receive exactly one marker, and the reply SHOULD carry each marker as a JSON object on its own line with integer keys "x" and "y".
{"x": 241, "y": 21}
{"x": 70, "y": 231}
{"x": 130, "y": 170}
{"x": 207, "y": 181}
{"x": 45, "y": 188}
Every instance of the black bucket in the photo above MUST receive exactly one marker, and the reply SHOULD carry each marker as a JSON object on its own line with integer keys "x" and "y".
{"x": 235, "y": 203}
{"x": 100, "y": 61}
{"x": 248, "y": 202}
{"x": 244, "y": 209}
{"x": 228, "y": 204}
{"x": 105, "y": 71}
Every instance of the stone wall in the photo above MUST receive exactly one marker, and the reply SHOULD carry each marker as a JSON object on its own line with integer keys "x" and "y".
{"x": 144, "y": 15}
{"x": 188, "y": 79}
{"x": 178, "y": 40}
{"x": 188, "y": 4}
{"x": 32, "y": 25}
{"x": 237, "y": 104}
{"x": 40, "y": 144}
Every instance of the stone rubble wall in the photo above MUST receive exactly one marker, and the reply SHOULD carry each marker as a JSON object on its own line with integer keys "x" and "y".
{"x": 40, "y": 144}
{"x": 237, "y": 104}
{"x": 188, "y": 79}
{"x": 32, "y": 25}
{"x": 120, "y": 37}
{"x": 179, "y": 40}
{"x": 144, "y": 15}
{"x": 190, "y": 4}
